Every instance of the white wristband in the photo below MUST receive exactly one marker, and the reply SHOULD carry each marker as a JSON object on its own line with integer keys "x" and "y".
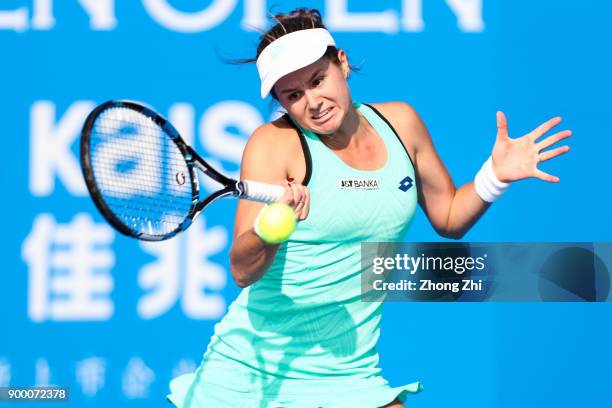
{"x": 488, "y": 187}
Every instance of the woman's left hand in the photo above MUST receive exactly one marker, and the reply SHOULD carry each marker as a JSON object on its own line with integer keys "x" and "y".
{"x": 517, "y": 159}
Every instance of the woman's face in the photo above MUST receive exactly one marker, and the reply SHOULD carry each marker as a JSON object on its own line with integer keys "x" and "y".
{"x": 317, "y": 96}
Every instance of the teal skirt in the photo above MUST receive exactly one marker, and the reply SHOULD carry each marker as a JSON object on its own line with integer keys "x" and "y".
{"x": 298, "y": 337}
{"x": 188, "y": 391}
{"x": 229, "y": 384}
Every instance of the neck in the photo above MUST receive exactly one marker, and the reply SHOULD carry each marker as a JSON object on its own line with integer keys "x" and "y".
{"x": 350, "y": 127}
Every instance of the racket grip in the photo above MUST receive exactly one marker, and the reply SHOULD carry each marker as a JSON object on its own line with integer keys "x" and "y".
{"x": 263, "y": 192}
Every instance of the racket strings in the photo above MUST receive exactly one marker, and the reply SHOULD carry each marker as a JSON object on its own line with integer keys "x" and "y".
{"x": 140, "y": 172}
{"x": 153, "y": 205}
{"x": 143, "y": 189}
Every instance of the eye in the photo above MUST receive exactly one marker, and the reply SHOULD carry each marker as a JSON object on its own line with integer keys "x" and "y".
{"x": 293, "y": 96}
{"x": 318, "y": 81}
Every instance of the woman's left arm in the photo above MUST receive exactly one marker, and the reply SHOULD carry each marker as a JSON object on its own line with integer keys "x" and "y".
{"x": 452, "y": 211}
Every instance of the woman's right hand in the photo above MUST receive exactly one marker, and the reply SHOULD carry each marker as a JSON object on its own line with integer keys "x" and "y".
{"x": 297, "y": 196}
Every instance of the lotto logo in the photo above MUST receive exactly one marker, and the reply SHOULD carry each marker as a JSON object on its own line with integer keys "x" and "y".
{"x": 406, "y": 183}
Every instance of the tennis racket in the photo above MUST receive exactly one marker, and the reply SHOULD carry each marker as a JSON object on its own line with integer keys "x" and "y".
{"x": 142, "y": 176}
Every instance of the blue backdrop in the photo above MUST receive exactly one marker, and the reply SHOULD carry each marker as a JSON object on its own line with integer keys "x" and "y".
{"x": 114, "y": 319}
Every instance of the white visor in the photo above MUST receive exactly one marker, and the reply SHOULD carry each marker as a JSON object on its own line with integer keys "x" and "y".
{"x": 289, "y": 53}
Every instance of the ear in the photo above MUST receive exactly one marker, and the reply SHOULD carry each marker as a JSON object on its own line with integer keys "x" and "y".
{"x": 344, "y": 65}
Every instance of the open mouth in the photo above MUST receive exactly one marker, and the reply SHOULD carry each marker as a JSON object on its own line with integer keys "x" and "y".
{"x": 324, "y": 115}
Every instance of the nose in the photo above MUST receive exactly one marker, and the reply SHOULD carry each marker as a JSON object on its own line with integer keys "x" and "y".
{"x": 313, "y": 99}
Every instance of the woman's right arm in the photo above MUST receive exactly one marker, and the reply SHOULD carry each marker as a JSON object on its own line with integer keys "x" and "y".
{"x": 265, "y": 159}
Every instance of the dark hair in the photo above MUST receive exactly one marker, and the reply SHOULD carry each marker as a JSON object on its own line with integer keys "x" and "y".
{"x": 298, "y": 19}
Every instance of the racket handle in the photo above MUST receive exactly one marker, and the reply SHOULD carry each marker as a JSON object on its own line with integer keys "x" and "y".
{"x": 256, "y": 191}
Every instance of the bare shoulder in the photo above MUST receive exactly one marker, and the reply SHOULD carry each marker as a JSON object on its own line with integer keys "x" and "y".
{"x": 397, "y": 111}
{"x": 406, "y": 122}
{"x": 271, "y": 147}
{"x": 271, "y": 134}
{"x": 402, "y": 116}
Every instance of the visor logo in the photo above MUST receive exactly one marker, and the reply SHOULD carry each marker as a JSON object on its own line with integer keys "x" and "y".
{"x": 277, "y": 51}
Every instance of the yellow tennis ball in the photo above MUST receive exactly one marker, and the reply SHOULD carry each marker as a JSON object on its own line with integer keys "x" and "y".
{"x": 275, "y": 223}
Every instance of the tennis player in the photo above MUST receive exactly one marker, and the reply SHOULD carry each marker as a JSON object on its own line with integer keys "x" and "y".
{"x": 298, "y": 334}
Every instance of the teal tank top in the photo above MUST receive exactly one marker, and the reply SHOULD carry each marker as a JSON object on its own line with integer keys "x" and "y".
{"x": 301, "y": 336}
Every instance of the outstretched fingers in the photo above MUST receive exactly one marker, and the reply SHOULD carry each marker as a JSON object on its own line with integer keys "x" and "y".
{"x": 545, "y": 127}
{"x": 547, "y": 155}
{"x": 546, "y": 177}
{"x": 502, "y": 125}
{"x": 551, "y": 140}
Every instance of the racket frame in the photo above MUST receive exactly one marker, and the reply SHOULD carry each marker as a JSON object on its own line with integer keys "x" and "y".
{"x": 231, "y": 187}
